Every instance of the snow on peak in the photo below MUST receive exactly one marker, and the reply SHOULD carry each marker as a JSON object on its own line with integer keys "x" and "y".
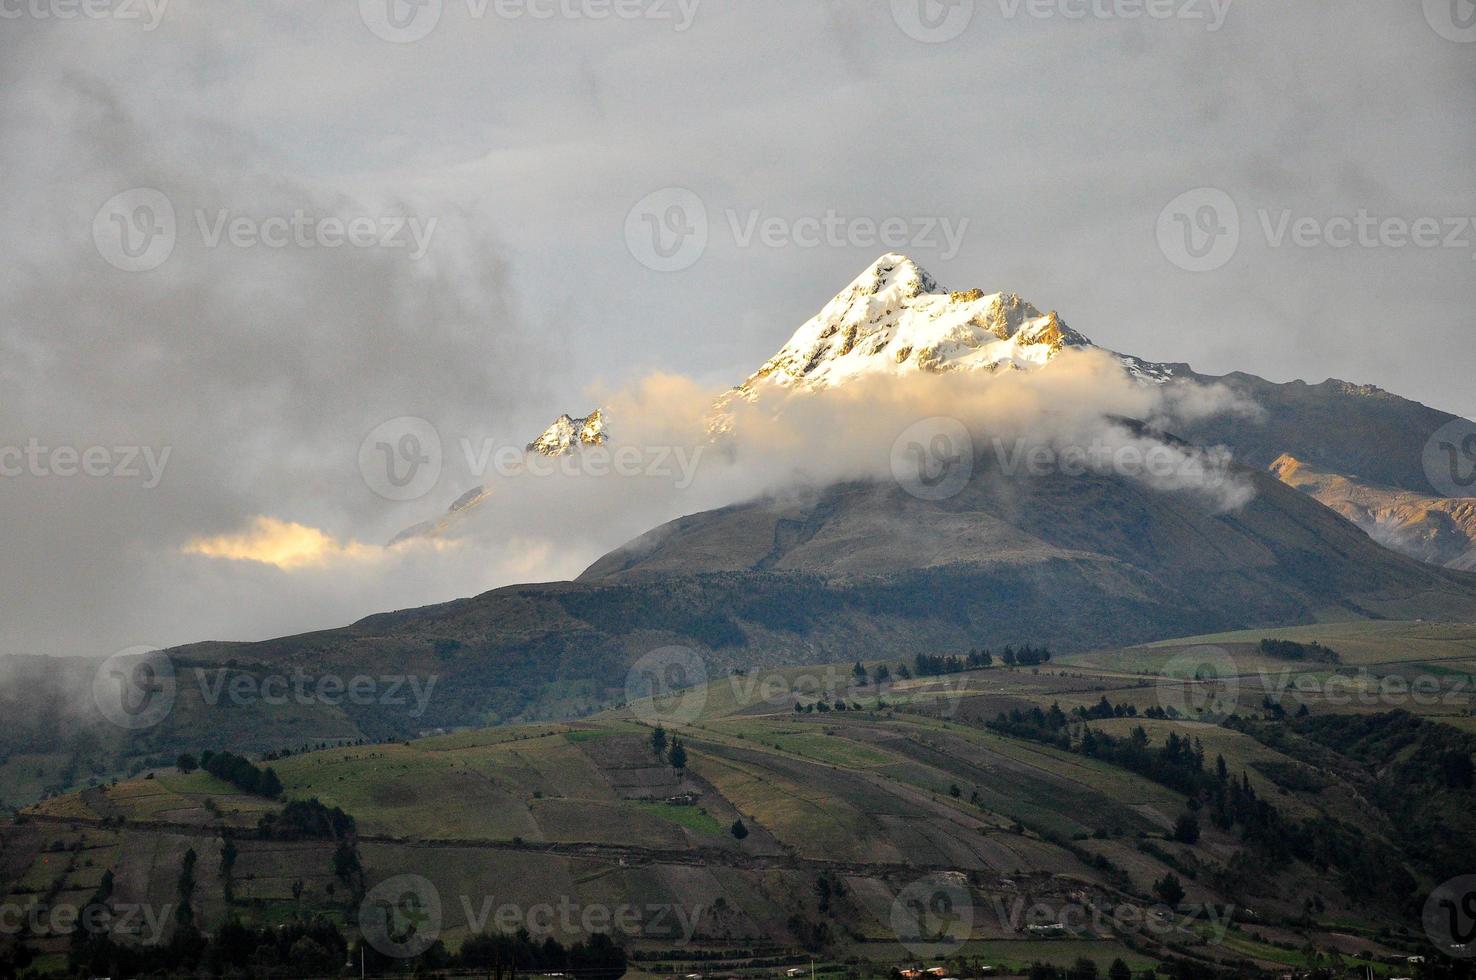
{"x": 568, "y": 433}
{"x": 895, "y": 319}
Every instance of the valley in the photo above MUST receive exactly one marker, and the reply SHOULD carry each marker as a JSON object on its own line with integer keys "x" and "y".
{"x": 844, "y": 811}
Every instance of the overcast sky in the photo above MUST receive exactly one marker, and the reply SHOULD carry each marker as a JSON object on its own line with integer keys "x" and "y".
{"x": 553, "y": 207}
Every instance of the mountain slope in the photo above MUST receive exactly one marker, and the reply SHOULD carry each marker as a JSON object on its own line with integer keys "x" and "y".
{"x": 867, "y": 570}
{"x": 1357, "y": 430}
{"x": 1437, "y": 530}
{"x": 1281, "y": 557}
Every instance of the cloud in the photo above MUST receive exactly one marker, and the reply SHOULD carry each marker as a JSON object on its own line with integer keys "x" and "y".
{"x": 284, "y": 544}
{"x": 662, "y": 461}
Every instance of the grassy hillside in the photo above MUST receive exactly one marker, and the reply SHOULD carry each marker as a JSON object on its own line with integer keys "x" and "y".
{"x": 848, "y": 816}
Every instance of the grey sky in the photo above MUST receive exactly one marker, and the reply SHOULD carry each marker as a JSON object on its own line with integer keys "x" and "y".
{"x": 1054, "y": 141}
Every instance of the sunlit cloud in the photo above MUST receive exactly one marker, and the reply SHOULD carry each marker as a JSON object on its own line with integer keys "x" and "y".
{"x": 285, "y": 544}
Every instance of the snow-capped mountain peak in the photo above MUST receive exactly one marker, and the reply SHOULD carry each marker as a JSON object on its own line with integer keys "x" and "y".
{"x": 568, "y": 433}
{"x": 895, "y": 319}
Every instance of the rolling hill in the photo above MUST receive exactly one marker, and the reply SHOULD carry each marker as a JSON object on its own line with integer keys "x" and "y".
{"x": 913, "y": 793}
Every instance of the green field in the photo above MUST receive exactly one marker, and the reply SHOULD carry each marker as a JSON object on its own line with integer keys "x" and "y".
{"x": 857, "y": 806}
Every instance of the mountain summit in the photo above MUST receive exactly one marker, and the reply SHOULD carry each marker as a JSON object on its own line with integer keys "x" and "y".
{"x": 568, "y": 433}
{"x": 894, "y": 319}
